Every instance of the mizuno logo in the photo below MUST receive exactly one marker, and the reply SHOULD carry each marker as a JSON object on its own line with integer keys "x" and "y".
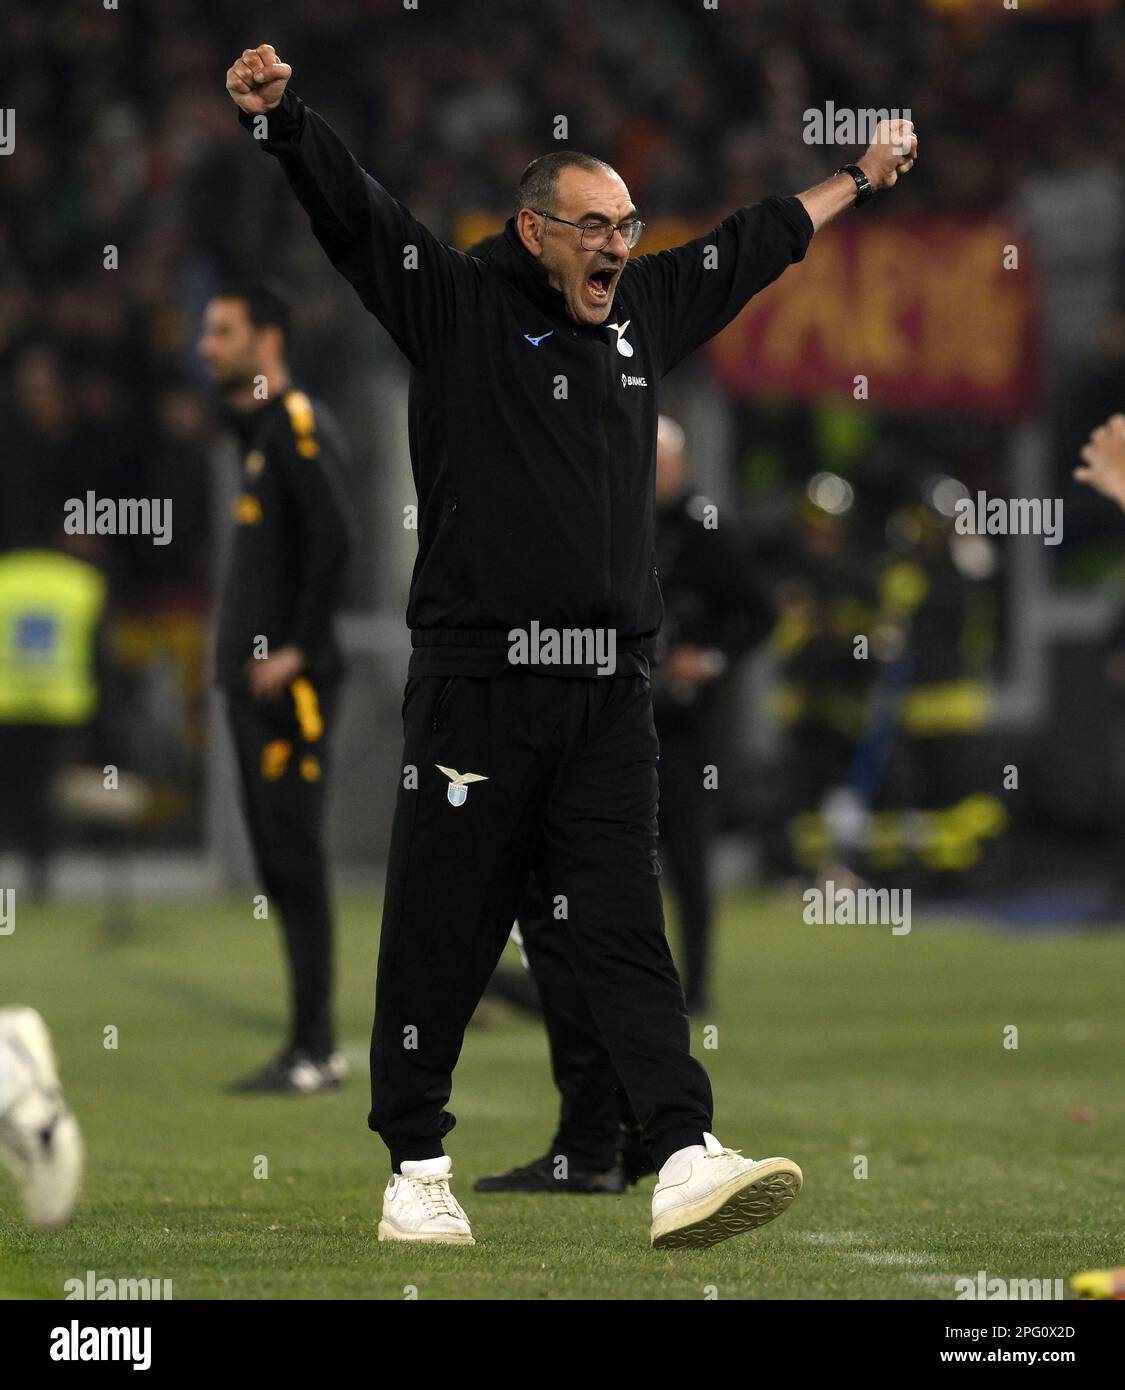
{"x": 536, "y": 341}
{"x": 458, "y": 791}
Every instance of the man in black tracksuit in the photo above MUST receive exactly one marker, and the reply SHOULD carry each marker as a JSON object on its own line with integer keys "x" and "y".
{"x": 276, "y": 654}
{"x": 529, "y": 738}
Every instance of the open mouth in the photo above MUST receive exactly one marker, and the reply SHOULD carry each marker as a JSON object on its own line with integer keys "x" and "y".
{"x": 599, "y": 285}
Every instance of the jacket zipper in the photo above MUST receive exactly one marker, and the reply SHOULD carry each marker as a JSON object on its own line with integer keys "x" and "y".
{"x": 608, "y": 549}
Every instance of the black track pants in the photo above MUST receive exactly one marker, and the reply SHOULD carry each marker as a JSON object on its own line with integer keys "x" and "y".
{"x": 685, "y": 852}
{"x": 566, "y": 785}
{"x": 591, "y": 1110}
{"x": 282, "y": 750}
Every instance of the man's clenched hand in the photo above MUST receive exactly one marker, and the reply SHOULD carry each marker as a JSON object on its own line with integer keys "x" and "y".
{"x": 256, "y": 81}
{"x": 892, "y": 152}
{"x": 1104, "y": 460}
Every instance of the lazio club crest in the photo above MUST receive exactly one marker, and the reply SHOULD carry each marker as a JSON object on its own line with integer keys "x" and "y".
{"x": 624, "y": 347}
{"x": 458, "y": 790}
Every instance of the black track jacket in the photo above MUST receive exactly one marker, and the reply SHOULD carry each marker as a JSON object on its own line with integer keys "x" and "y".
{"x": 532, "y": 438}
{"x": 285, "y": 575}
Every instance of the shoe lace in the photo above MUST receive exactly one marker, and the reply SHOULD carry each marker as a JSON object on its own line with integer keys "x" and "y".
{"x": 435, "y": 1196}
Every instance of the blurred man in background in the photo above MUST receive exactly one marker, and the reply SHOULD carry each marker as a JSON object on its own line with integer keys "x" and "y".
{"x": 277, "y": 658}
{"x": 1103, "y": 468}
{"x": 714, "y": 612}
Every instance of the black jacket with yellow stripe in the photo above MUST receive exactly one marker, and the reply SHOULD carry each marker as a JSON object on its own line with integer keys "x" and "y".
{"x": 285, "y": 574}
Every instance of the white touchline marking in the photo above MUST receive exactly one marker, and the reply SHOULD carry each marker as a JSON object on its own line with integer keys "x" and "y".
{"x": 873, "y": 1257}
{"x": 836, "y": 1237}
{"x": 892, "y": 1257}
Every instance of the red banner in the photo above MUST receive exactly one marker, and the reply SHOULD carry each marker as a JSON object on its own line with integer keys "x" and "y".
{"x": 927, "y": 313}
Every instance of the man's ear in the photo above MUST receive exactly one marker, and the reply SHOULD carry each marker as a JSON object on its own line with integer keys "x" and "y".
{"x": 274, "y": 341}
{"x": 530, "y": 226}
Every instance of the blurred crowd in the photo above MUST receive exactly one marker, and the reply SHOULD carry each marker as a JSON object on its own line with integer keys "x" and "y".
{"x": 132, "y": 191}
{"x": 125, "y": 139}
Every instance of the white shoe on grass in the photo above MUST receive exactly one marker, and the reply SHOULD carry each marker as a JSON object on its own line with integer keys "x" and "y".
{"x": 706, "y": 1193}
{"x": 419, "y": 1205}
{"x": 39, "y": 1138}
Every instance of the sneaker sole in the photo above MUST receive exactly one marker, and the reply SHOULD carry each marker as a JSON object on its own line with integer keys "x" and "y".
{"x": 389, "y": 1232}
{"x": 743, "y": 1203}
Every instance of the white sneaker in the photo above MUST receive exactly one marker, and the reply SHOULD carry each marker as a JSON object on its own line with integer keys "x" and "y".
{"x": 707, "y": 1193}
{"x": 336, "y": 1066}
{"x": 39, "y": 1138}
{"x": 418, "y": 1205}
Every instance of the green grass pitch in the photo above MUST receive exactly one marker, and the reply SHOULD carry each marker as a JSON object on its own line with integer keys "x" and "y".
{"x": 831, "y": 1042}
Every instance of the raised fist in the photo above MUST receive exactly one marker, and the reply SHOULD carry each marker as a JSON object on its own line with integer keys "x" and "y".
{"x": 256, "y": 81}
{"x": 1104, "y": 460}
{"x": 892, "y": 152}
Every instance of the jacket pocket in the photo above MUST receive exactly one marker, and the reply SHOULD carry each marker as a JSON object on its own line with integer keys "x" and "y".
{"x": 442, "y": 696}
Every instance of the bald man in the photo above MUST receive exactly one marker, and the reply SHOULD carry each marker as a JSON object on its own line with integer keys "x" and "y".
{"x": 529, "y": 736}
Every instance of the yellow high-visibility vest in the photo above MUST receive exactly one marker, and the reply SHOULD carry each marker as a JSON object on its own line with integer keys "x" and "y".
{"x": 50, "y": 606}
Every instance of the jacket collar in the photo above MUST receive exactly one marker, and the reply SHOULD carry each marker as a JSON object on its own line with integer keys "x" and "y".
{"x": 516, "y": 263}
{"x": 246, "y": 423}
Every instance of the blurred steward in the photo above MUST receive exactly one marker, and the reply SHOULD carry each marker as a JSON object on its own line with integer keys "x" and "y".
{"x": 52, "y": 605}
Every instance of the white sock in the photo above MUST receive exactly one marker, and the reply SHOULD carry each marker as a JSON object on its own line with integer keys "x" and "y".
{"x": 677, "y": 1164}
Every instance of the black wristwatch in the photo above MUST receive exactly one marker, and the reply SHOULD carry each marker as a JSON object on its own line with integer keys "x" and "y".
{"x": 863, "y": 188}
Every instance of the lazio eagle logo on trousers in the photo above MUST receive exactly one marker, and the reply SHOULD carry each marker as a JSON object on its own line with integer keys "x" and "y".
{"x": 458, "y": 790}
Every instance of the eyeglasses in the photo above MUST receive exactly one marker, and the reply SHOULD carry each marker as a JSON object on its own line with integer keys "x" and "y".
{"x": 596, "y": 236}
